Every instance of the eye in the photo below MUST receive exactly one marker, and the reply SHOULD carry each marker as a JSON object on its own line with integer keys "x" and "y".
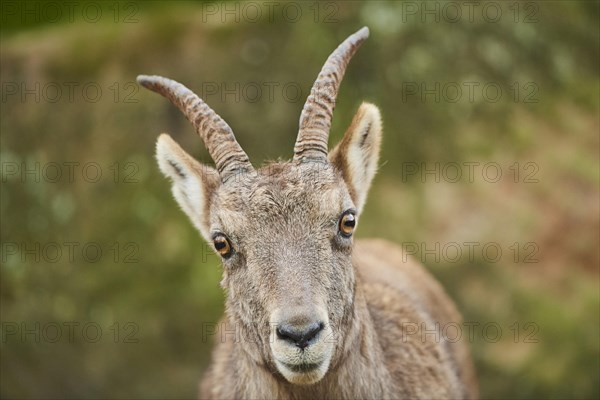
{"x": 347, "y": 223}
{"x": 222, "y": 245}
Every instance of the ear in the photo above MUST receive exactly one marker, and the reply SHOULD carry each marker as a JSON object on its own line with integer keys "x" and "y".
{"x": 356, "y": 156}
{"x": 193, "y": 182}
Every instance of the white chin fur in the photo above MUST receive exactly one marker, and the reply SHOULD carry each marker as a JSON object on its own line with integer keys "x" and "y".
{"x": 303, "y": 378}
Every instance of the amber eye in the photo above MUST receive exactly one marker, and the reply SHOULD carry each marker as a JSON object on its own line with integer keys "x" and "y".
{"x": 347, "y": 224}
{"x": 222, "y": 245}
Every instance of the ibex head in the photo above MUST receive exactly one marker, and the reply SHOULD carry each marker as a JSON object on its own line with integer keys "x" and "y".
{"x": 284, "y": 231}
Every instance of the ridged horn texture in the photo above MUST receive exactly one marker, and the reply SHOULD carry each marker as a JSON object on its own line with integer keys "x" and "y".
{"x": 226, "y": 152}
{"x": 315, "y": 120}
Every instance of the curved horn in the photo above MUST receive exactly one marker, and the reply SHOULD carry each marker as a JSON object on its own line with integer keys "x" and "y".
{"x": 315, "y": 120}
{"x": 228, "y": 155}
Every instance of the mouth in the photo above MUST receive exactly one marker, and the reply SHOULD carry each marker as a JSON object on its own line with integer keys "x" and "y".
{"x": 304, "y": 373}
{"x": 302, "y": 368}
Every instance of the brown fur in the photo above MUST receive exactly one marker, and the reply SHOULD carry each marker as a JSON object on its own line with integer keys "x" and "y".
{"x": 290, "y": 259}
{"x": 382, "y": 360}
{"x": 309, "y": 313}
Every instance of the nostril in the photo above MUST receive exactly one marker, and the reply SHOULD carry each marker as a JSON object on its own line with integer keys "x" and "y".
{"x": 290, "y": 333}
{"x": 313, "y": 330}
{"x": 299, "y": 335}
{"x": 286, "y": 332}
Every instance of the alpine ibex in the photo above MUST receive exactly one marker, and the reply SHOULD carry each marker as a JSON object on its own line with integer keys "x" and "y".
{"x": 316, "y": 314}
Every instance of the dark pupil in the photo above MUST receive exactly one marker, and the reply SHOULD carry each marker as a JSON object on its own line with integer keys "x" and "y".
{"x": 220, "y": 244}
{"x": 350, "y": 222}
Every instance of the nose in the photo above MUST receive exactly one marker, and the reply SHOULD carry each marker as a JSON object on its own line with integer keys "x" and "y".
{"x": 299, "y": 335}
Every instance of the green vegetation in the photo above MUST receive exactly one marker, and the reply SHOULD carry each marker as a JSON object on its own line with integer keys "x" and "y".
{"x": 83, "y": 251}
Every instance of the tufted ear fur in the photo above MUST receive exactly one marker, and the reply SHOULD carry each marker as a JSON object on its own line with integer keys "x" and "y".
{"x": 357, "y": 154}
{"x": 193, "y": 182}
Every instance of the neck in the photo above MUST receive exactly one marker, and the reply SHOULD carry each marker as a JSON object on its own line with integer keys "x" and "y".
{"x": 357, "y": 372}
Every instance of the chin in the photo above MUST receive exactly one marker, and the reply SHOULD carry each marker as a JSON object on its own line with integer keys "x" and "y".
{"x": 303, "y": 374}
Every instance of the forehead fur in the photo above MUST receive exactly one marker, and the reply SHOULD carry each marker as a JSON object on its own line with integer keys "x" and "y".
{"x": 312, "y": 191}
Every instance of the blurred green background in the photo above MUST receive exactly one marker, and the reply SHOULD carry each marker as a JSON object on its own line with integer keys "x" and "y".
{"x": 106, "y": 288}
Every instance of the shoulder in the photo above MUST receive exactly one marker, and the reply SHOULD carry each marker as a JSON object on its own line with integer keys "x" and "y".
{"x": 381, "y": 261}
